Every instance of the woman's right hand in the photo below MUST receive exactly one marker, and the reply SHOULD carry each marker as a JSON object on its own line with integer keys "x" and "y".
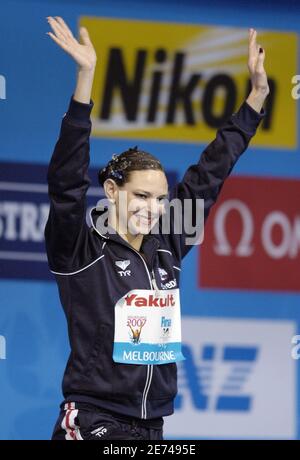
{"x": 84, "y": 54}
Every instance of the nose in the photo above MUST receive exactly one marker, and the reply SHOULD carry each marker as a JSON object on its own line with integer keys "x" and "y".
{"x": 154, "y": 207}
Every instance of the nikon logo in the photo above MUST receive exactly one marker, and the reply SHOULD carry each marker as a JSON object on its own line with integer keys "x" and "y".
{"x": 181, "y": 90}
{"x": 169, "y": 81}
{"x": 141, "y": 93}
{"x": 2, "y": 87}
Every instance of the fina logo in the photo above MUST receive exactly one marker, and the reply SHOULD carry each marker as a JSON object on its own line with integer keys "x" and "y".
{"x": 123, "y": 264}
{"x": 166, "y": 326}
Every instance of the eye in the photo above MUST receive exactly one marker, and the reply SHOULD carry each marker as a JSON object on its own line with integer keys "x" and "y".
{"x": 141, "y": 195}
{"x": 161, "y": 199}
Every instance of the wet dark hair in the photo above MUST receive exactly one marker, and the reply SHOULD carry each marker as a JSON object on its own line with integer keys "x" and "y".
{"x": 120, "y": 166}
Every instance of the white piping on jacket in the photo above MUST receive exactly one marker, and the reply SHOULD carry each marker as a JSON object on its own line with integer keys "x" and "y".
{"x": 146, "y": 390}
{"x": 78, "y": 271}
{"x": 81, "y": 269}
{"x": 165, "y": 250}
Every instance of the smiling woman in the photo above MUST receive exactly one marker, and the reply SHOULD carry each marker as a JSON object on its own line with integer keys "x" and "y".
{"x": 140, "y": 178}
{"x": 120, "y": 290}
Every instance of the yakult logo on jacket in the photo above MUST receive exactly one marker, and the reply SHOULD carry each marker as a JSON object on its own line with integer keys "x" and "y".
{"x": 253, "y": 236}
{"x": 133, "y": 300}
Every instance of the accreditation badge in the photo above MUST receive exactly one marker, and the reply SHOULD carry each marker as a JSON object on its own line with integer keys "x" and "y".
{"x": 148, "y": 327}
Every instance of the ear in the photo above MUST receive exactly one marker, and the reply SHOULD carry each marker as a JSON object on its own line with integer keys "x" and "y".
{"x": 110, "y": 189}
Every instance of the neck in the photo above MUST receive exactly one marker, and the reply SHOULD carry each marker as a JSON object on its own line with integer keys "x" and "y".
{"x": 134, "y": 240}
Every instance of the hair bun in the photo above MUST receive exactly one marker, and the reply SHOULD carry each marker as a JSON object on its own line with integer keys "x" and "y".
{"x": 134, "y": 149}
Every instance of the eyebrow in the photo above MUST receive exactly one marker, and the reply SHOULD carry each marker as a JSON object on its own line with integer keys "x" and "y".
{"x": 150, "y": 194}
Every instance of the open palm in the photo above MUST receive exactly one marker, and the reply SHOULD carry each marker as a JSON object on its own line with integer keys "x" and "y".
{"x": 83, "y": 53}
{"x": 256, "y": 58}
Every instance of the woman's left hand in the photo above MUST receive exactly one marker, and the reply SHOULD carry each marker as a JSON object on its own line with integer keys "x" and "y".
{"x": 256, "y": 65}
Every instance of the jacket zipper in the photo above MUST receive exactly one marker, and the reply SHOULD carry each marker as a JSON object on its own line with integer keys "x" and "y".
{"x": 149, "y": 366}
{"x": 157, "y": 291}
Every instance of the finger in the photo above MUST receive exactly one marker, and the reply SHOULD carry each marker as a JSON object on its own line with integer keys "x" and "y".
{"x": 250, "y": 32}
{"x": 260, "y": 60}
{"x": 252, "y": 43}
{"x": 84, "y": 35}
{"x": 64, "y": 26}
{"x": 252, "y": 51}
{"x": 57, "y": 28}
{"x": 62, "y": 44}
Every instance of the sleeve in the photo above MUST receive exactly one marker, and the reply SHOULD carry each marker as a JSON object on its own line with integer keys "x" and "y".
{"x": 66, "y": 228}
{"x": 204, "y": 180}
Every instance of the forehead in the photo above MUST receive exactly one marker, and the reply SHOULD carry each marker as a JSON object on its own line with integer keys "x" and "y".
{"x": 150, "y": 180}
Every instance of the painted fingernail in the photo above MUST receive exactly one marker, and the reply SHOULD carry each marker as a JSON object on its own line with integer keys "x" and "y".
{"x": 261, "y": 50}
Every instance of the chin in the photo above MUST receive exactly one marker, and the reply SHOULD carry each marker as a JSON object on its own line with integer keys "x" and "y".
{"x": 139, "y": 230}
{"x": 142, "y": 229}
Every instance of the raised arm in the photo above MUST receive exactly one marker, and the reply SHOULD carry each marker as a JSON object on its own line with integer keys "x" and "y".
{"x": 205, "y": 179}
{"x": 83, "y": 54}
{"x": 68, "y": 181}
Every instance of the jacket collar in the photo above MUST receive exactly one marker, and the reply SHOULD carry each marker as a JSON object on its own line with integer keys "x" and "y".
{"x": 150, "y": 242}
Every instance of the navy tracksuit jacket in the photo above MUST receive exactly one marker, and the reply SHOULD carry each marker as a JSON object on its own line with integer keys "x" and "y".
{"x": 83, "y": 262}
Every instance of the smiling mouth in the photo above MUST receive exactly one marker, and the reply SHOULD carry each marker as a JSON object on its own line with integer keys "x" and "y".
{"x": 146, "y": 219}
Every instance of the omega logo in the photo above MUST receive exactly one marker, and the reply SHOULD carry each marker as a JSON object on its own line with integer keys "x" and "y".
{"x": 289, "y": 245}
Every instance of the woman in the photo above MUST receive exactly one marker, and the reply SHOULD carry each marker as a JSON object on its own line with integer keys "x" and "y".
{"x": 118, "y": 283}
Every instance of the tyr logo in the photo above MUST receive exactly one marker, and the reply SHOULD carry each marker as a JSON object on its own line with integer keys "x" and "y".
{"x": 123, "y": 264}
